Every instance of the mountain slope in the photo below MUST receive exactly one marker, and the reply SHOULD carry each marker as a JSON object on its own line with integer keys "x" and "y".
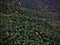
{"x": 41, "y": 4}
{"x": 22, "y": 26}
{"x": 50, "y": 7}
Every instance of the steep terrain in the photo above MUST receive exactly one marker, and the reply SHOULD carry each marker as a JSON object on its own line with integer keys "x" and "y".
{"x": 50, "y": 7}
{"x": 22, "y": 26}
{"x": 41, "y": 4}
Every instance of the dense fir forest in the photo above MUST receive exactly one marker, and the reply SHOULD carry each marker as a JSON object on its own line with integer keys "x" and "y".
{"x": 24, "y": 26}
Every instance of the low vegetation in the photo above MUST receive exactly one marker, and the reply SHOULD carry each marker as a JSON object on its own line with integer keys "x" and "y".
{"x": 22, "y": 27}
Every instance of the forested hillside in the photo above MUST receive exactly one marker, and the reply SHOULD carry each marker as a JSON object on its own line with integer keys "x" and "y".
{"x": 23, "y": 26}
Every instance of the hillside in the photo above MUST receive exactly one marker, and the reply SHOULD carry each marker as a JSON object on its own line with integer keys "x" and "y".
{"x": 46, "y": 6}
{"x": 22, "y": 26}
{"x": 50, "y": 5}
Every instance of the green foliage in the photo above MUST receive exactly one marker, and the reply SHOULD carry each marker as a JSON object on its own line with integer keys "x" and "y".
{"x": 23, "y": 28}
{"x": 8, "y": 7}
